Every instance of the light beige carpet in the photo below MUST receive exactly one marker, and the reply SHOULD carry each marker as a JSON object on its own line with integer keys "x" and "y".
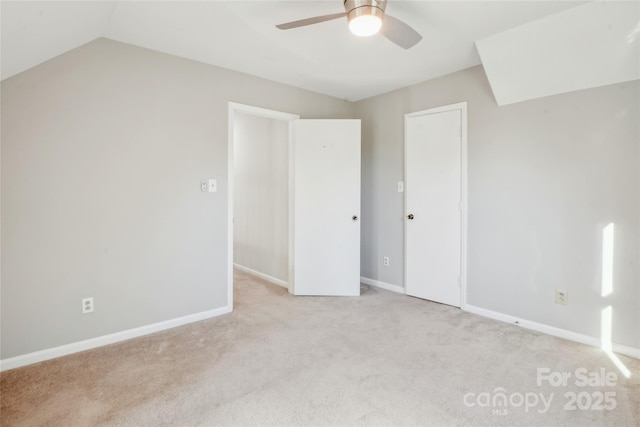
{"x": 381, "y": 359}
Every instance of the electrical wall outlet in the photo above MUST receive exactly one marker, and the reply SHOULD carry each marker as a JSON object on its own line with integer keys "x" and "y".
{"x": 561, "y": 297}
{"x": 87, "y": 305}
{"x": 385, "y": 261}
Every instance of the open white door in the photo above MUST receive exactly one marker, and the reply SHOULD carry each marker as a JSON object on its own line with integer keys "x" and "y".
{"x": 325, "y": 234}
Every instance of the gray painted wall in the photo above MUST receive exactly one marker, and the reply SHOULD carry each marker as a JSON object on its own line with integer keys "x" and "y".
{"x": 104, "y": 148}
{"x": 261, "y": 195}
{"x": 103, "y": 151}
{"x": 545, "y": 177}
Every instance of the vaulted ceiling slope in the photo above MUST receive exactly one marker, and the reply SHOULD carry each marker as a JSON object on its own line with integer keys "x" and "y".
{"x": 241, "y": 35}
{"x": 594, "y": 44}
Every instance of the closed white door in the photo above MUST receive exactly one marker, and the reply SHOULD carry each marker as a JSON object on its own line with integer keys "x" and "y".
{"x": 433, "y": 220}
{"x": 326, "y": 207}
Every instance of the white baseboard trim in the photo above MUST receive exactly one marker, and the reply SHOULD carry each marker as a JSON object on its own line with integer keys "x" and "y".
{"x": 64, "y": 350}
{"x": 551, "y": 330}
{"x": 382, "y": 285}
{"x": 262, "y": 276}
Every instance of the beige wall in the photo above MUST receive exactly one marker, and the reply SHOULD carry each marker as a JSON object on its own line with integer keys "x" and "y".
{"x": 544, "y": 178}
{"x": 103, "y": 151}
{"x": 261, "y": 195}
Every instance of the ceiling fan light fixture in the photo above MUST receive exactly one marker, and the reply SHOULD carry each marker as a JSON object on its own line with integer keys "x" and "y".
{"x": 364, "y": 16}
{"x": 365, "y": 25}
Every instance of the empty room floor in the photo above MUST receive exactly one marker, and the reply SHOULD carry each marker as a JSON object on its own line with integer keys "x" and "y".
{"x": 380, "y": 359}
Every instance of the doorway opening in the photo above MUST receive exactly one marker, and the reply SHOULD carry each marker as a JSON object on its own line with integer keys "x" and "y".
{"x": 259, "y": 199}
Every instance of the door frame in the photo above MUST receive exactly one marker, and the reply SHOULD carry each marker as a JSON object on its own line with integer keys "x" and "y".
{"x": 233, "y": 109}
{"x": 462, "y": 107}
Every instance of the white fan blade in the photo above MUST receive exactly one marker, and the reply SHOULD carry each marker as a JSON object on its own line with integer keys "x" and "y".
{"x": 399, "y": 33}
{"x": 310, "y": 21}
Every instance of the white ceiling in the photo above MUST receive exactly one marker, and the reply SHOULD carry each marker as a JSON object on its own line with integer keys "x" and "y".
{"x": 241, "y": 35}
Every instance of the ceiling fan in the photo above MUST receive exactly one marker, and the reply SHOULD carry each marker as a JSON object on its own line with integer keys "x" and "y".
{"x": 366, "y": 18}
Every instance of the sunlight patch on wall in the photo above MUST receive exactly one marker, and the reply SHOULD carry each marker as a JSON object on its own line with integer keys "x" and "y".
{"x": 607, "y": 260}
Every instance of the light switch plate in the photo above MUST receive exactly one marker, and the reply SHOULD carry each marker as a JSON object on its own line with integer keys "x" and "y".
{"x": 400, "y": 186}
{"x": 213, "y": 186}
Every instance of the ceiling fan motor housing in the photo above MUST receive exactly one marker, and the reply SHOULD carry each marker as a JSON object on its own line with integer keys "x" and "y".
{"x": 356, "y": 8}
